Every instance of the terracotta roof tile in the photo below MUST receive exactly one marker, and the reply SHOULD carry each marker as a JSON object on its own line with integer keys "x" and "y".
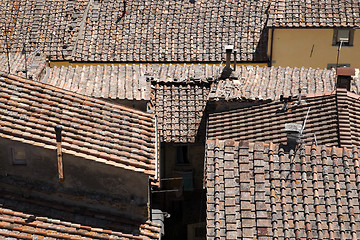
{"x": 146, "y": 31}
{"x": 257, "y": 190}
{"x": 130, "y": 81}
{"x": 268, "y": 83}
{"x": 266, "y": 121}
{"x": 100, "y": 130}
{"x": 50, "y": 26}
{"x": 35, "y": 65}
{"x": 180, "y": 110}
{"x": 28, "y": 218}
{"x": 172, "y": 31}
{"x": 314, "y": 13}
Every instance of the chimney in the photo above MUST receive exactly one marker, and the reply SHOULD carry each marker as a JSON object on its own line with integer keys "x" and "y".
{"x": 58, "y": 130}
{"x": 344, "y": 77}
{"x": 235, "y": 53}
{"x": 228, "y": 49}
{"x": 293, "y": 134}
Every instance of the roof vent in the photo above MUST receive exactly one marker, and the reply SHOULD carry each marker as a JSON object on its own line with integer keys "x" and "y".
{"x": 227, "y": 72}
{"x": 293, "y": 133}
{"x": 344, "y": 77}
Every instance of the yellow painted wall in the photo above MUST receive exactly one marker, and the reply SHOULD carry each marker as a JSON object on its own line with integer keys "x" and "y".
{"x": 311, "y": 48}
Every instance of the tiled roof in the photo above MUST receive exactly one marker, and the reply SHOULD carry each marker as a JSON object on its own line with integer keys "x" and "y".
{"x": 173, "y": 31}
{"x": 180, "y": 110}
{"x": 270, "y": 82}
{"x": 29, "y": 218}
{"x": 130, "y": 81}
{"x": 50, "y": 26}
{"x": 265, "y": 121}
{"x": 35, "y": 65}
{"x": 114, "y": 82}
{"x": 314, "y": 13}
{"x": 259, "y": 191}
{"x": 92, "y": 129}
{"x": 332, "y": 120}
{"x": 146, "y": 31}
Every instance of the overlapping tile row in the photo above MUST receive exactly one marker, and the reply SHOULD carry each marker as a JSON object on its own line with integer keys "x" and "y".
{"x": 180, "y": 110}
{"x": 107, "y": 81}
{"x": 92, "y": 129}
{"x": 271, "y": 82}
{"x": 265, "y": 121}
{"x": 257, "y": 190}
{"x": 51, "y": 26}
{"x": 35, "y": 65}
{"x": 185, "y": 31}
{"x": 348, "y": 107}
{"x": 130, "y": 81}
{"x": 28, "y": 218}
{"x": 314, "y": 13}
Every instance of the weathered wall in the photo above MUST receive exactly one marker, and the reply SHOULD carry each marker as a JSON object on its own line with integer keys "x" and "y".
{"x": 196, "y": 162}
{"x": 89, "y": 183}
{"x": 310, "y": 48}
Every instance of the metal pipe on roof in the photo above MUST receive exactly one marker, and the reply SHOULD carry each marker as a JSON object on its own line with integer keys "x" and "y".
{"x": 58, "y": 130}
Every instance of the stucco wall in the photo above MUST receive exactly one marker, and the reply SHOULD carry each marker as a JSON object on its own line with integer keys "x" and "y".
{"x": 196, "y": 162}
{"x": 311, "y": 48}
{"x": 86, "y": 182}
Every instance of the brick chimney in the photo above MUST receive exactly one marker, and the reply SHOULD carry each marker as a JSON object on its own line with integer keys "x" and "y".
{"x": 344, "y": 77}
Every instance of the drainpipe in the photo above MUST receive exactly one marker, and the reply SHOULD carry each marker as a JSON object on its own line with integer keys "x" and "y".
{"x": 58, "y": 130}
{"x": 271, "y": 47}
{"x": 156, "y": 150}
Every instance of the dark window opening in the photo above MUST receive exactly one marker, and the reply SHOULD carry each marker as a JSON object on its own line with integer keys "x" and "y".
{"x": 334, "y": 65}
{"x": 18, "y": 156}
{"x": 346, "y": 36}
{"x": 182, "y": 154}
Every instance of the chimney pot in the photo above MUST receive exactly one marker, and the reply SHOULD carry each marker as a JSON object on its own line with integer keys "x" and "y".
{"x": 228, "y": 49}
{"x": 344, "y": 77}
{"x": 58, "y": 130}
{"x": 293, "y": 135}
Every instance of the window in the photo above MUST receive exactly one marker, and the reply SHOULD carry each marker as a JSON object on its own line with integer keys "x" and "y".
{"x": 18, "y": 156}
{"x": 334, "y": 65}
{"x": 182, "y": 154}
{"x": 346, "y": 36}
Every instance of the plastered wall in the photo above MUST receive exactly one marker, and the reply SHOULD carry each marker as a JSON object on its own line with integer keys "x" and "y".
{"x": 310, "y": 48}
{"x": 88, "y": 183}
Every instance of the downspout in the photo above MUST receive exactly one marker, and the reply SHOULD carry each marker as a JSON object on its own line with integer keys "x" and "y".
{"x": 58, "y": 130}
{"x": 205, "y": 154}
{"x": 156, "y": 150}
{"x": 271, "y": 47}
{"x": 149, "y": 201}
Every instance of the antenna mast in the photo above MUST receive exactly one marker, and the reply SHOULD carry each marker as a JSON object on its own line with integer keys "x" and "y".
{"x": 338, "y": 54}
{"x": 7, "y": 49}
{"x": 24, "y": 52}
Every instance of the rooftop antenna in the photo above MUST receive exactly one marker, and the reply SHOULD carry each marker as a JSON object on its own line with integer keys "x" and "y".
{"x": 338, "y": 53}
{"x": 304, "y": 124}
{"x": 7, "y": 49}
{"x": 24, "y": 52}
{"x": 315, "y": 140}
{"x": 123, "y": 13}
